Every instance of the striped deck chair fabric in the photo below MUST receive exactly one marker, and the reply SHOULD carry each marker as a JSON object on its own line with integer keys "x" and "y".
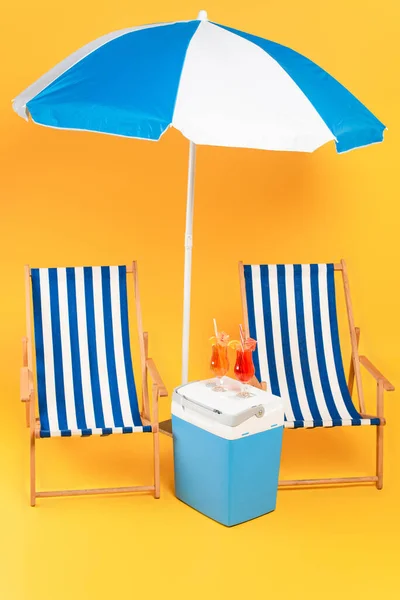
{"x": 83, "y": 359}
{"x": 292, "y": 315}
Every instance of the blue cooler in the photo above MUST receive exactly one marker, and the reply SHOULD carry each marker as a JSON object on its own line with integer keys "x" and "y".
{"x": 226, "y": 450}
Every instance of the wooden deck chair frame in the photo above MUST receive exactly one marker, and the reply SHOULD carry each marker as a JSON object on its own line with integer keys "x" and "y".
{"x": 148, "y": 367}
{"x": 382, "y": 384}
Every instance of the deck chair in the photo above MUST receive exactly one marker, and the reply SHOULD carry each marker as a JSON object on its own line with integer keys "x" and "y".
{"x": 291, "y": 311}
{"x": 85, "y": 380}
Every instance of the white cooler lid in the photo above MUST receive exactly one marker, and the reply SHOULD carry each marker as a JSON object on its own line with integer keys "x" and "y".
{"x": 224, "y": 413}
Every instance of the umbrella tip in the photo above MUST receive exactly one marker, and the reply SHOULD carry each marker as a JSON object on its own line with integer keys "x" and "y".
{"x": 202, "y": 16}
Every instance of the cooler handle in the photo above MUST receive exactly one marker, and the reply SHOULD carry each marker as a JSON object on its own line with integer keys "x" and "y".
{"x": 235, "y": 420}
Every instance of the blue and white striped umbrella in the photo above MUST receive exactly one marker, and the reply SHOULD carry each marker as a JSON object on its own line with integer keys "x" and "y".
{"x": 217, "y": 85}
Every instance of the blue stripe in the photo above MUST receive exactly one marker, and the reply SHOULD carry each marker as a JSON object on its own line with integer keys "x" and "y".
{"x": 66, "y": 433}
{"x": 57, "y": 350}
{"x": 287, "y": 355}
{"x": 251, "y": 317}
{"x": 39, "y": 346}
{"x": 126, "y": 87}
{"x": 336, "y": 345}
{"x": 127, "y": 347}
{"x": 269, "y": 338}
{"x": 110, "y": 351}
{"x": 351, "y": 123}
{"x": 301, "y": 334}
{"x": 91, "y": 328}
{"x": 75, "y": 350}
{"x": 319, "y": 344}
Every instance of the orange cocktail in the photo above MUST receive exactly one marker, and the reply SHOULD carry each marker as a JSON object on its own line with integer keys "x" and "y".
{"x": 219, "y": 360}
{"x": 219, "y": 363}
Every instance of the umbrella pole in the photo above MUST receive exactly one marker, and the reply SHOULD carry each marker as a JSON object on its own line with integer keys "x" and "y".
{"x": 166, "y": 426}
{"x": 188, "y": 263}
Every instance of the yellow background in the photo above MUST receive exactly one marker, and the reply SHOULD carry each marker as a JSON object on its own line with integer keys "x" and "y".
{"x": 74, "y": 198}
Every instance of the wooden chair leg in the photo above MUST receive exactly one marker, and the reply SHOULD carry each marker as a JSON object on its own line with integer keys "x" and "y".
{"x": 379, "y": 456}
{"x": 156, "y": 444}
{"x": 32, "y": 469}
{"x": 379, "y": 437}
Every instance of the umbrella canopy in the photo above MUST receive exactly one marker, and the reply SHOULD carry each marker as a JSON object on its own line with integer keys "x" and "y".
{"x": 217, "y": 85}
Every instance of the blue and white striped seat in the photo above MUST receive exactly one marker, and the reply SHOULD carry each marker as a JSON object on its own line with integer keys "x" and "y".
{"x": 292, "y": 315}
{"x": 83, "y": 358}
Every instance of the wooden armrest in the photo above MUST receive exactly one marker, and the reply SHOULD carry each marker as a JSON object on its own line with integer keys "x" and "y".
{"x": 376, "y": 374}
{"x": 156, "y": 377}
{"x": 26, "y": 385}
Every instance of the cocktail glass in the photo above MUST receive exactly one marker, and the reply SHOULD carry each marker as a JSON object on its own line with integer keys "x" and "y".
{"x": 244, "y": 366}
{"x": 219, "y": 365}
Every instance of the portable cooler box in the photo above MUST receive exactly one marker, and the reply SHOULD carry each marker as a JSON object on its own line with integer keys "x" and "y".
{"x": 226, "y": 450}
